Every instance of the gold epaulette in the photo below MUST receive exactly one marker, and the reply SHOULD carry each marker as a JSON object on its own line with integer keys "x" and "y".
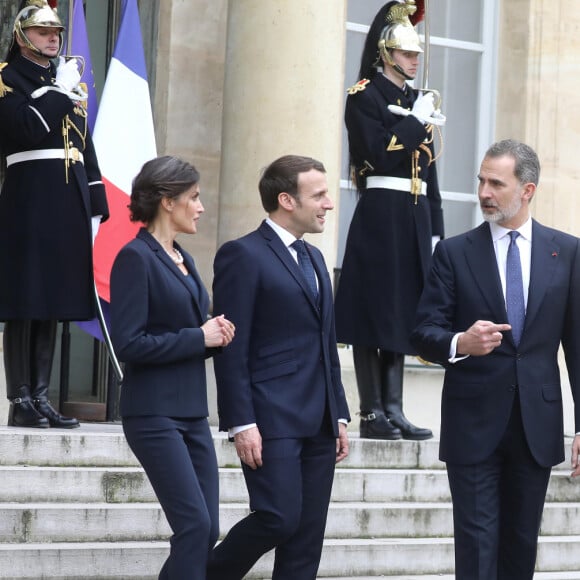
{"x": 3, "y": 88}
{"x": 360, "y": 86}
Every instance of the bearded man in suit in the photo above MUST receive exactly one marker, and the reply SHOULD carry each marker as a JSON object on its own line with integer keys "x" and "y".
{"x": 499, "y": 301}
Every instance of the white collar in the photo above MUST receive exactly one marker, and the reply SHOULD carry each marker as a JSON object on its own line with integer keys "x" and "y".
{"x": 287, "y": 238}
{"x": 498, "y": 232}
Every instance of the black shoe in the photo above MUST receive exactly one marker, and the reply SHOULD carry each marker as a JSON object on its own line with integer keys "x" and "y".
{"x": 409, "y": 430}
{"x": 377, "y": 426}
{"x": 23, "y": 413}
{"x": 54, "y": 418}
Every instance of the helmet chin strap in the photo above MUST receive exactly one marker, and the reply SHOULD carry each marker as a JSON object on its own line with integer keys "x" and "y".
{"x": 395, "y": 66}
{"x": 36, "y": 51}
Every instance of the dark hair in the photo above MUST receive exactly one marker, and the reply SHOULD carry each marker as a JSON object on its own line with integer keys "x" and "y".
{"x": 370, "y": 55}
{"x": 282, "y": 175}
{"x": 161, "y": 177}
{"x": 527, "y": 164}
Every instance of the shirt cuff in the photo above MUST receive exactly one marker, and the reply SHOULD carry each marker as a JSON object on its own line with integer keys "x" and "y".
{"x": 235, "y": 430}
{"x": 343, "y": 421}
{"x": 453, "y": 358}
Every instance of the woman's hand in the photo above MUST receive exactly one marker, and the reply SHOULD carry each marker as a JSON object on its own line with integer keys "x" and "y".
{"x": 218, "y": 331}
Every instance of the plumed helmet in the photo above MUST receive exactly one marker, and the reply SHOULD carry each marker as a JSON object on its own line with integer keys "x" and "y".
{"x": 393, "y": 25}
{"x": 36, "y": 13}
{"x": 399, "y": 32}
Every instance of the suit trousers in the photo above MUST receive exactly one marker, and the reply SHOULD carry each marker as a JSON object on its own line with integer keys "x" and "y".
{"x": 178, "y": 456}
{"x": 497, "y": 509}
{"x": 289, "y": 497}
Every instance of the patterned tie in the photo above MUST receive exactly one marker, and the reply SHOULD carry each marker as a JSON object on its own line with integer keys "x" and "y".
{"x": 514, "y": 291}
{"x": 306, "y": 266}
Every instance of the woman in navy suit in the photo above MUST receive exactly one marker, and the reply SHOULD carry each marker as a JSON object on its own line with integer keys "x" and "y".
{"x": 160, "y": 330}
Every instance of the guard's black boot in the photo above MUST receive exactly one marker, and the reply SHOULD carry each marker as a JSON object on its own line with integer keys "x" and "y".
{"x": 373, "y": 422}
{"x": 55, "y": 419}
{"x": 43, "y": 339}
{"x": 23, "y": 413}
{"x": 17, "y": 367}
{"x": 392, "y": 368}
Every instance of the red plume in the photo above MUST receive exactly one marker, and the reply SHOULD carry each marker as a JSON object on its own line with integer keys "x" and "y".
{"x": 419, "y": 13}
{"x": 52, "y": 3}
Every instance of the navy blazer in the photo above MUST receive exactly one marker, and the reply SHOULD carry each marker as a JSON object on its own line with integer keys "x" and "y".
{"x": 478, "y": 392}
{"x": 155, "y": 328}
{"x": 281, "y": 371}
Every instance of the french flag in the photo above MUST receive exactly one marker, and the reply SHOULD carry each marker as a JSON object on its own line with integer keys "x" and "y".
{"x": 124, "y": 140}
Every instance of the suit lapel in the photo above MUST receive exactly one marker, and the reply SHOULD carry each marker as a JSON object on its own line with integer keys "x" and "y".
{"x": 324, "y": 290}
{"x": 283, "y": 254}
{"x": 201, "y": 305}
{"x": 201, "y": 302}
{"x": 545, "y": 252}
{"x": 481, "y": 260}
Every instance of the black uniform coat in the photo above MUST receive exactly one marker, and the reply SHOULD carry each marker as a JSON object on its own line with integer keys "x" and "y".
{"x": 45, "y": 222}
{"x": 388, "y": 250}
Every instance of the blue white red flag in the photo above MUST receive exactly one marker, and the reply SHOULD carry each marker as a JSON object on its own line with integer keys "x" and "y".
{"x": 124, "y": 140}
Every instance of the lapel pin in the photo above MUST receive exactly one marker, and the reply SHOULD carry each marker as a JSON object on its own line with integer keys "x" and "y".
{"x": 554, "y": 254}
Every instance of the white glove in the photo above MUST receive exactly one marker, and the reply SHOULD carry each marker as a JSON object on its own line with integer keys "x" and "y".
{"x": 423, "y": 107}
{"x": 67, "y": 74}
{"x": 77, "y": 95}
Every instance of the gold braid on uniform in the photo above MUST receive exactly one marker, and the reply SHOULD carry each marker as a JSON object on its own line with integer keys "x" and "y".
{"x": 3, "y": 88}
{"x": 416, "y": 181}
{"x": 69, "y": 150}
{"x": 440, "y": 143}
{"x": 424, "y": 147}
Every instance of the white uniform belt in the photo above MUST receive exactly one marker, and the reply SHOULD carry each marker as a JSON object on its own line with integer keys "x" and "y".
{"x": 73, "y": 154}
{"x": 398, "y": 183}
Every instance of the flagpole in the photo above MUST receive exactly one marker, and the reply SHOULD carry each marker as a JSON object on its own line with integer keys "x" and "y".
{"x": 100, "y": 316}
{"x": 65, "y": 335}
{"x": 426, "y": 52}
{"x": 71, "y": 4}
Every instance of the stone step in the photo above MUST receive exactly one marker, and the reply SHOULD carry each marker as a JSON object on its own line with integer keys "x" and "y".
{"x": 355, "y": 559}
{"x": 78, "y": 522}
{"x": 104, "y": 445}
{"x": 129, "y": 484}
{"x": 537, "y": 576}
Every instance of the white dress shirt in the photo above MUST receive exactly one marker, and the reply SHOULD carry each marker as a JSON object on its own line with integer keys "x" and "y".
{"x": 501, "y": 241}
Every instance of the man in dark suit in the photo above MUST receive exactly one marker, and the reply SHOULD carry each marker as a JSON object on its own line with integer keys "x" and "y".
{"x": 496, "y": 307}
{"x": 280, "y": 394}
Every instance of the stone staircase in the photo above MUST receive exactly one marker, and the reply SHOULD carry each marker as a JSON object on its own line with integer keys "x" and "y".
{"x": 76, "y": 505}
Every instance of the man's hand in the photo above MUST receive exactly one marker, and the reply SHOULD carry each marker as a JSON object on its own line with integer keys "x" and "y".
{"x": 575, "y": 456}
{"x": 423, "y": 107}
{"x": 249, "y": 447}
{"x": 67, "y": 74}
{"x": 341, "y": 443}
{"x": 481, "y": 338}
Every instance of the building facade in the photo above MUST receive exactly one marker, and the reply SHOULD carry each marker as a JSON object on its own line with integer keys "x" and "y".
{"x": 235, "y": 84}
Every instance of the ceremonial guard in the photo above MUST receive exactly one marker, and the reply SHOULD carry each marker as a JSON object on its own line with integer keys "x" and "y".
{"x": 391, "y": 129}
{"x": 51, "y": 203}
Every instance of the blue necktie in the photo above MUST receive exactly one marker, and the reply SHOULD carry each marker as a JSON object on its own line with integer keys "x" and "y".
{"x": 514, "y": 289}
{"x": 306, "y": 266}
